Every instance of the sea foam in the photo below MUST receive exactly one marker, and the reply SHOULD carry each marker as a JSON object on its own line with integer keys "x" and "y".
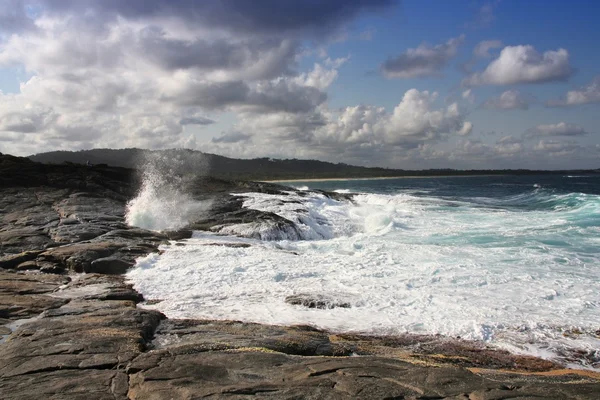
{"x": 482, "y": 269}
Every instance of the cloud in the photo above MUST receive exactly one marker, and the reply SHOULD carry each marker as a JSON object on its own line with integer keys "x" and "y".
{"x": 231, "y": 137}
{"x": 13, "y": 17}
{"x": 523, "y": 64}
{"x": 466, "y": 128}
{"x": 484, "y": 15}
{"x": 556, "y": 148}
{"x": 482, "y": 50}
{"x": 264, "y": 17}
{"x": 509, "y": 140}
{"x": 585, "y": 95}
{"x": 145, "y": 73}
{"x": 196, "y": 121}
{"x": 509, "y": 146}
{"x": 354, "y": 133}
{"x": 468, "y": 95}
{"x": 510, "y": 100}
{"x": 559, "y": 129}
{"x": 422, "y": 61}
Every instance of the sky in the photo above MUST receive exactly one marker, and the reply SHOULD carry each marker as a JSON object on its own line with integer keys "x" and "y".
{"x": 395, "y": 83}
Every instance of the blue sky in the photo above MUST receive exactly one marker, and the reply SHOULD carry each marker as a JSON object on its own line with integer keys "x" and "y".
{"x": 405, "y": 84}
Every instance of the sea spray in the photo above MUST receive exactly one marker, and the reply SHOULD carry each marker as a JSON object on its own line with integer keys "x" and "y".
{"x": 163, "y": 202}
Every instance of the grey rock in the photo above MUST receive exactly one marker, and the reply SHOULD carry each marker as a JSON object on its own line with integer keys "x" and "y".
{"x": 27, "y": 295}
{"x": 13, "y": 260}
{"x": 108, "y": 265}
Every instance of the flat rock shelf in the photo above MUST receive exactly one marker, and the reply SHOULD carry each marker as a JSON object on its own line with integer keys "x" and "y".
{"x": 71, "y": 328}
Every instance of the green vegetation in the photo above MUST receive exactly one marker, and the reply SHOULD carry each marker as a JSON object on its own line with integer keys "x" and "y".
{"x": 262, "y": 168}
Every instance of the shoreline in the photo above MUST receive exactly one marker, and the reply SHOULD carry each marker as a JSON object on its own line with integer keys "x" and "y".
{"x": 378, "y": 178}
{"x": 83, "y": 331}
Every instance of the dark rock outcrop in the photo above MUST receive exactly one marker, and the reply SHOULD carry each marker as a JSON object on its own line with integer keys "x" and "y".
{"x": 316, "y": 301}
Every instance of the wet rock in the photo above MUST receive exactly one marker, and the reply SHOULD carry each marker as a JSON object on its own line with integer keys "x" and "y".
{"x": 108, "y": 265}
{"x": 320, "y": 301}
{"x": 230, "y": 244}
{"x": 179, "y": 234}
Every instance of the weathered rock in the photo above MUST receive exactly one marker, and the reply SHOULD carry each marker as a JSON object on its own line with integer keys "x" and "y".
{"x": 108, "y": 265}
{"x": 316, "y": 301}
{"x": 227, "y": 210}
{"x": 13, "y": 260}
{"x": 27, "y": 295}
{"x": 85, "y": 343}
{"x": 57, "y": 384}
{"x": 234, "y": 374}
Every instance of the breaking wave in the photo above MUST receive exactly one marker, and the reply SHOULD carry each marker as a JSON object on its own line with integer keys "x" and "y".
{"x": 518, "y": 271}
{"x": 162, "y": 202}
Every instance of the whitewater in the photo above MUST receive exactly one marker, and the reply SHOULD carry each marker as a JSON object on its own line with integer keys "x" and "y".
{"x": 508, "y": 260}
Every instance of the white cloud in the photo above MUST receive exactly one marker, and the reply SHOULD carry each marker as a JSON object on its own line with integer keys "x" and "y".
{"x": 468, "y": 95}
{"x": 556, "y": 148}
{"x": 137, "y": 82}
{"x": 321, "y": 77}
{"x": 466, "y": 128}
{"x": 483, "y": 48}
{"x": 509, "y": 100}
{"x": 355, "y": 133}
{"x": 585, "y": 95}
{"x": 509, "y": 146}
{"x": 559, "y": 129}
{"x": 231, "y": 137}
{"x": 523, "y": 64}
{"x": 423, "y": 61}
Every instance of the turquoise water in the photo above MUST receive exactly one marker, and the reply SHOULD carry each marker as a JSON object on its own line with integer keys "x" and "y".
{"x": 573, "y": 202}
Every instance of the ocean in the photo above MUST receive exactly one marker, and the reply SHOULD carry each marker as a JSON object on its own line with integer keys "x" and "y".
{"x": 513, "y": 261}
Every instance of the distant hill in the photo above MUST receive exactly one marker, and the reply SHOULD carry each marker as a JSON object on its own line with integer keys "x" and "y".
{"x": 254, "y": 169}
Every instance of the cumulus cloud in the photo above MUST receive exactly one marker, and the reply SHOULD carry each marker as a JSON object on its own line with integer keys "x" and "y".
{"x": 354, "y": 133}
{"x": 145, "y": 72}
{"x": 483, "y": 48}
{"x": 231, "y": 137}
{"x": 585, "y": 95}
{"x": 423, "y": 61}
{"x": 523, "y": 64}
{"x": 509, "y": 146}
{"x": 466, "y": 129}
{"x": 554, "y": 147}
{"x": 509, "y": 100}
{"x": 468, "y": 95}
{"x": 559, "y": 129}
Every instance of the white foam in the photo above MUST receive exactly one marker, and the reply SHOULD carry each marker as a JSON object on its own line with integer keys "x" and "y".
{"x": 162, "y": 202}
{"x": 314, "y": 217}
{"x": 405, "y": 263}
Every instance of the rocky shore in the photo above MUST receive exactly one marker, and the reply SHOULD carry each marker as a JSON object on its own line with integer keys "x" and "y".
{"x": 71, "y": 327}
